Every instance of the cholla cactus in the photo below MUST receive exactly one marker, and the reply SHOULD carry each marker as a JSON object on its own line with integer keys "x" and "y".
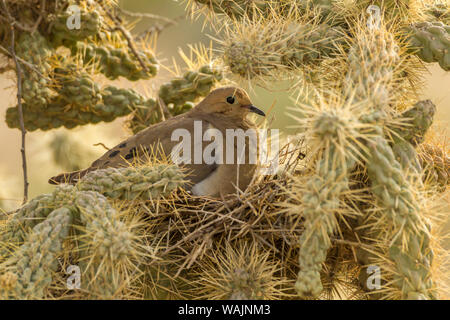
{"x": 400, "y": 217}
{"x": 431, "y": 42}
{"x": 90, "y": 25}
{"x": 268, "y": 46}
{"x": 35, "y": 49}
{"x": 69, "y": 153}
{"x": 412, "y": 133}
{"x": 332, "y": 133}
{"x": 410, "y": 249}
{"x": 33, "y": 263}
{"x": 436, "y": 164}
{"x": 134, "y": 183}
{"x": 234, "y": 8}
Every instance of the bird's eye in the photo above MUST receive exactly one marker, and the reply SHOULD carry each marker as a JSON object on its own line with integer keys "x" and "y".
{"x": 230, "y": 99}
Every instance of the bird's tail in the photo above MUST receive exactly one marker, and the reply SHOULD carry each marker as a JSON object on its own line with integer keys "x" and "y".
{"x": 69, "y": 177}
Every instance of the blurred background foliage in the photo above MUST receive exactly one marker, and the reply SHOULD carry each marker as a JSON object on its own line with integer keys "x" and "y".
{"x": 79, "y": 149}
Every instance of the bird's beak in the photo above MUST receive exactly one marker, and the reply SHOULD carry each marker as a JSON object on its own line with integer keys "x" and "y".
{"x": 254, "y": 109}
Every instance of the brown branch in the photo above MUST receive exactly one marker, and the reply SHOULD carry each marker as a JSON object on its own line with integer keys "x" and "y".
{"x": 41, "y": 14}
{"x": 131, "y": 45}
{"x": 18, "y": 25}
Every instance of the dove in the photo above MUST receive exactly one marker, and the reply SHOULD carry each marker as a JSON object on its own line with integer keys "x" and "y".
{"x": 216, "y": 134}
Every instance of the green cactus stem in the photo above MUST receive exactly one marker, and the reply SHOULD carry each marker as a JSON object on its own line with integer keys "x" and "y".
{"x": 312, "y": 43}
{"x": 177, "y": 94}
{"x": 34, "y": 262}
{"x": 430, "y": 41}
{"x": 35, "y": 49}
{"x": 235, "y": 8}
{"x": 60, "y": 34}
{"x": 418, "y": 120}
{"x": 114, "y": 103}
{"x": 146, "y": 182}
{"x": 115, "y": 62}
{"x": 371, "y": 61}
{"x": 190, "y": 86}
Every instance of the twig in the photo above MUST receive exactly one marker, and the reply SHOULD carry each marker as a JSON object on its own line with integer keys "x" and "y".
{"x": 101, "y": 144}
{"x": 158, "y": 28}
{"x": 131, "y": 45}
{"x": 6, "y": 68}
{"x": 20, "y": 110}
{"x": 18, "y": 25}
{"x": 13, "y": 25}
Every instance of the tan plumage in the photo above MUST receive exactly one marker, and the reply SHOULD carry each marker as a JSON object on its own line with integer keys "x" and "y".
{"x": 215, "y": 111}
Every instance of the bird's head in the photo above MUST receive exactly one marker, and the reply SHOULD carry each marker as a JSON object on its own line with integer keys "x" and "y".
{"x": 229, "y": 101}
